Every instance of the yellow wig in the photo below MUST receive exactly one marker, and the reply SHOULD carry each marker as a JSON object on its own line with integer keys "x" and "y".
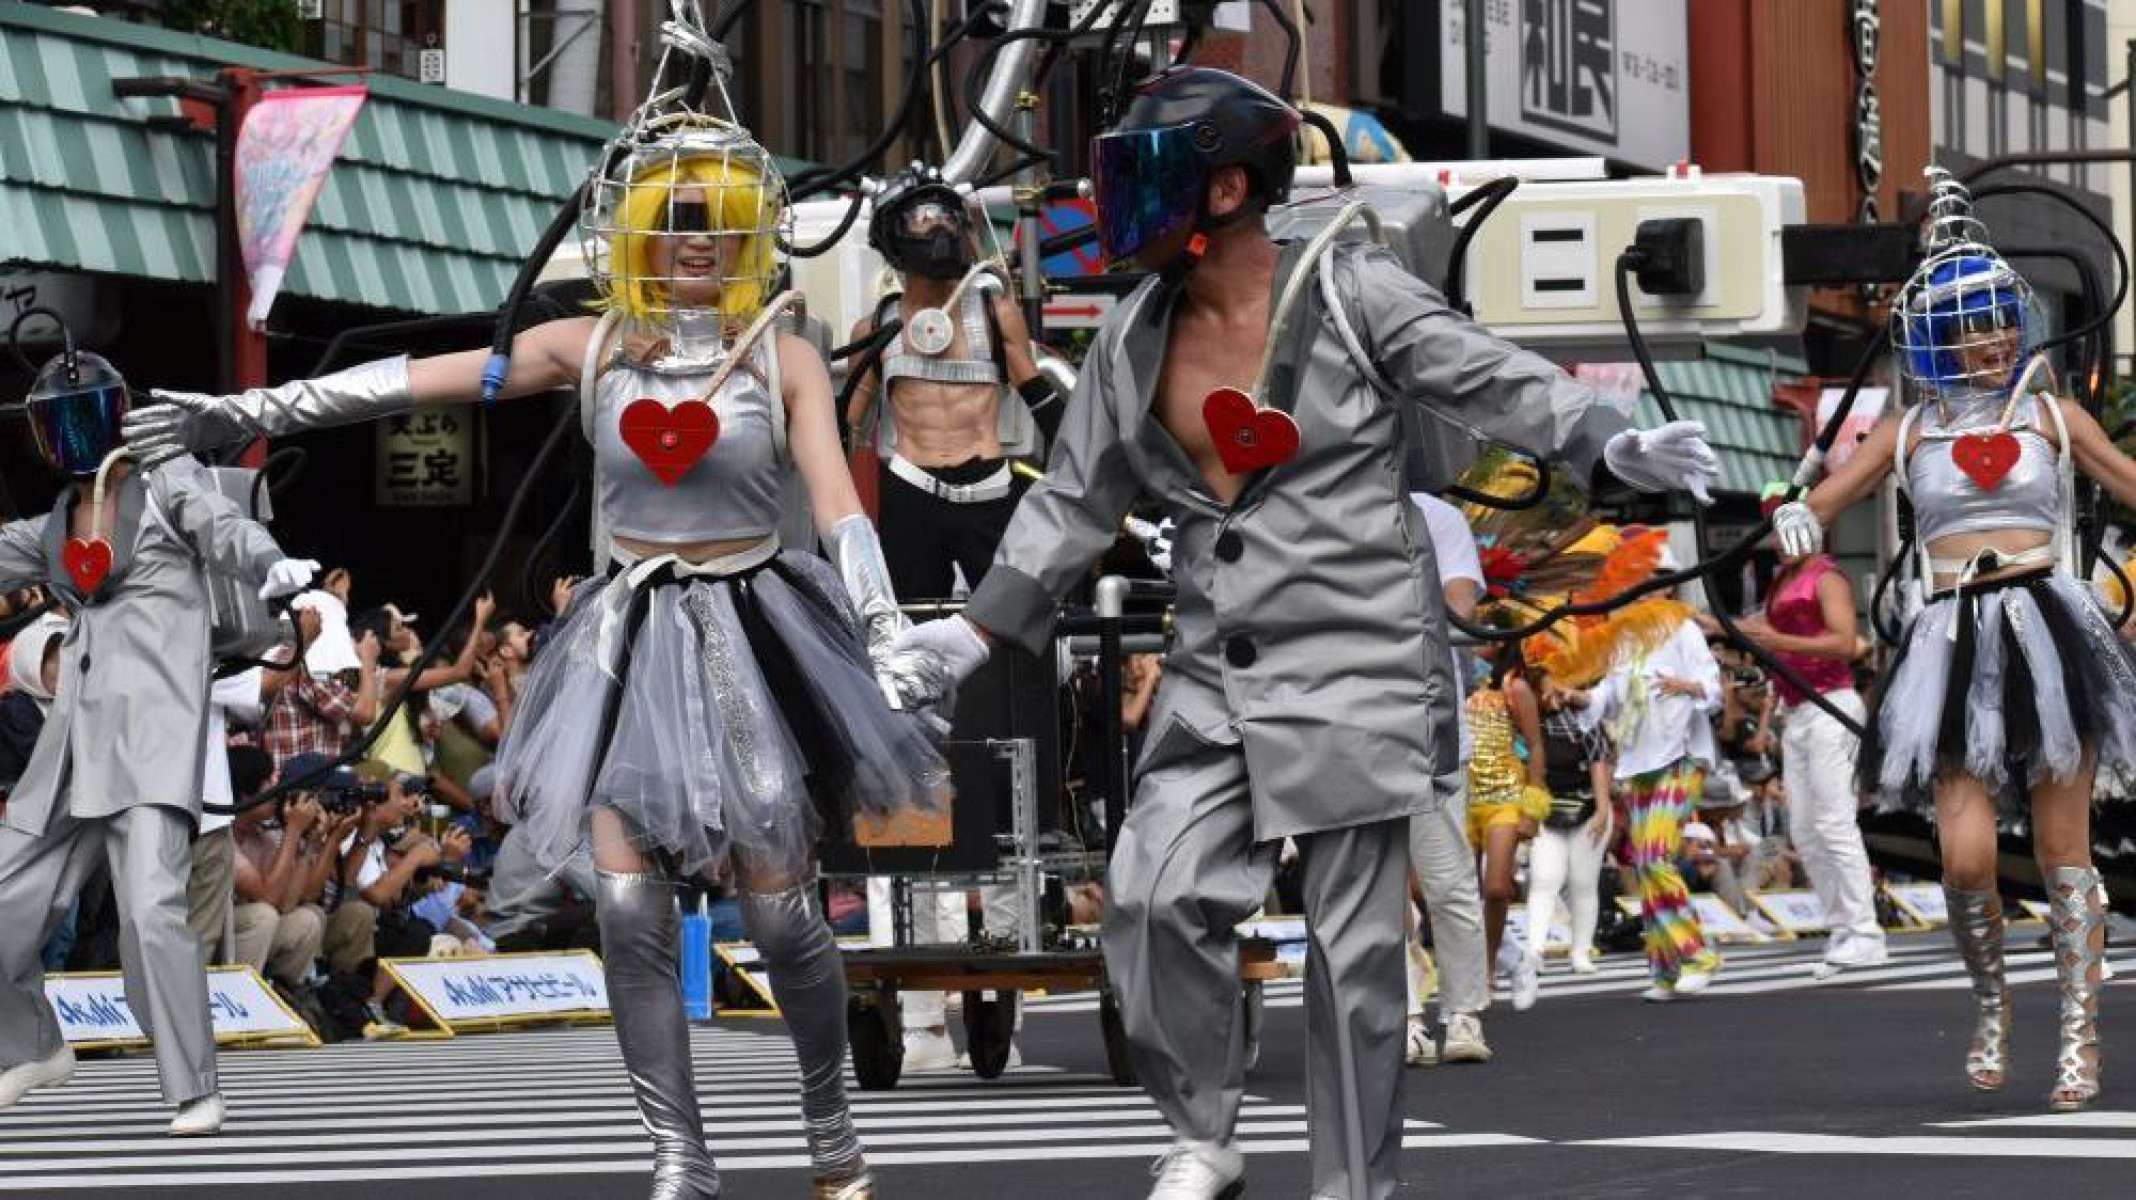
{"x": 741, "y": 207}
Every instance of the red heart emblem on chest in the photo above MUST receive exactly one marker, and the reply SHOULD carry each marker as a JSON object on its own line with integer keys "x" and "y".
{"x": 1247, "y": 436}
{"x": 669, "y": 441}
{"x": 1986, "y": 457}
{"x": 88, "y": 562}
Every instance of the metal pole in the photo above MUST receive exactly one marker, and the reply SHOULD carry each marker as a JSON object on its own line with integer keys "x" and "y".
{"x": 1111, "y": 600}
{"x": 2128, "y": 83}
{"x": 1030, "y": 194}
{"x": 1479, "y": 96}
{"x": 229, "y": 266}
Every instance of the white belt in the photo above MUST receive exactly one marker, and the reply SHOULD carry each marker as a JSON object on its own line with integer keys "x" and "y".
{"x": 636, "y": 570}
{"x": 1987, "y": 559}
{"x": 993, "y": 487}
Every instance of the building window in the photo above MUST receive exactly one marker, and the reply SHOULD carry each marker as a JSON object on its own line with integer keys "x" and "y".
{"x": 385, "y": 35}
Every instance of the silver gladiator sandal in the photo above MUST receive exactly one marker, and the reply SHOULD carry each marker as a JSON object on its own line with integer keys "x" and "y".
{"x": 1977, "y": 927}
{"x": 2078, "y": 924}
{"x": 639, "y": 932}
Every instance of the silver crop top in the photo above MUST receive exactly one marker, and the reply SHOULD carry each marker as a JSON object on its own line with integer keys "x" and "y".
{"x": 734, "y": 491}
{"x": 1947, "y": 501}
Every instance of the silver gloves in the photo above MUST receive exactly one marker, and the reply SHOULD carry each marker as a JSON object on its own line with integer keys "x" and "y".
{"x": 950, "y": 648}
{"x": 909, "y": 682}
{"x": 1797, "y": 529}
{"x": 189, "y": 422}
{"x": 1674, "y": 456}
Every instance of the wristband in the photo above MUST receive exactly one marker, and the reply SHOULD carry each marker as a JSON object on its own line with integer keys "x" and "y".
{"x": 1038, "y": 391}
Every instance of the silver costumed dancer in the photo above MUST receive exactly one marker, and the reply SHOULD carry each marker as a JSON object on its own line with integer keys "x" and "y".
{"x": 716, "y": 702}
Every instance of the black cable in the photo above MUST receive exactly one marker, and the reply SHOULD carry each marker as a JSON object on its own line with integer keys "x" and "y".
{"x": 1293, "y": 39}
{"x": 1626, "y": 263}
{"x": 974, "y": 88}
{"x": 1127, "y": 57}
{"x": 832, "y": 238}
{"x": 1490, "y": 196}
{"x": 923, "y": 58}
{"x": 567, "y": 419}
{"x": 872, "y": 347}
{"x": 531, "y": 601}
{"x": 1890, "y": 634}
{"x": 2121, "y": 257}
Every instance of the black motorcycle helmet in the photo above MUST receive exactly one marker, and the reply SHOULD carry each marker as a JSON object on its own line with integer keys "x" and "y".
{"x": 921, "y": 225}
{"x": 1151, "y": 170}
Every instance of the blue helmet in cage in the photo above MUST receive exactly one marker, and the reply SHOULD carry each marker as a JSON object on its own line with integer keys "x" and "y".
{"x": 1963, "y": 323}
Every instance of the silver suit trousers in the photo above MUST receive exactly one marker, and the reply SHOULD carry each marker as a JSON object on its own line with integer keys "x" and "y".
{"x": 1186, "y": 871}
{"x": 149, "y": 851}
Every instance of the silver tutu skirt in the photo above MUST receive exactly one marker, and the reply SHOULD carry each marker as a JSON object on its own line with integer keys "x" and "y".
{"x": 719, "y": 716}
{"x": 2014, "y": 682}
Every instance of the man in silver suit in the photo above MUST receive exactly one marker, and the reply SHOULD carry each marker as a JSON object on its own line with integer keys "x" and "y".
{"x": 117, "y": 771}
{"x": 1309, "y": 693}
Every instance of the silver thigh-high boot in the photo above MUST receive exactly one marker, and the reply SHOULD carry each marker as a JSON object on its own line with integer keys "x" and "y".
{"x": 1977, "y": 927}
{"x": 639, "y": 933}
{"x": 2078, "y": 922}
{"x": 808, "y": 981}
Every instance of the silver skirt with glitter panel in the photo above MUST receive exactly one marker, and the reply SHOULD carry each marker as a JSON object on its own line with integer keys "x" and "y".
{"x": 701, "y": 763}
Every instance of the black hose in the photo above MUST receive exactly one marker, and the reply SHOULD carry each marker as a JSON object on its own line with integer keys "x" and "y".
{"x": 1490, "y": 196}
{"x": 1892, "y": 633}
{"x": 531, "y": 601}
{"x": 1127, "y": 57}
{"x": 2121, "y": 257}
{"x": 871, "y": 349}
{"x": 923, "y": 58}
{"x": 499, "y": 365}
{"x": 832, "y": 238}
{"x": 1626, "y": 263}
{"x": 567, "y": 419}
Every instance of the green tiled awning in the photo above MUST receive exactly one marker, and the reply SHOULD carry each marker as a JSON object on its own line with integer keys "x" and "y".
{"x": 1731, "y": 390}
{"x": 435, "y": 198}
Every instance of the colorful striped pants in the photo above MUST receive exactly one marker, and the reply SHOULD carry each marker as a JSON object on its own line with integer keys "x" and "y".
{"x": 1656, "y": 806}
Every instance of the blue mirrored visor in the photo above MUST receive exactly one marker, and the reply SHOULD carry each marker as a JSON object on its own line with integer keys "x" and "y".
{"x": 1149, "y": 183}
{"x": 75, "y": 430}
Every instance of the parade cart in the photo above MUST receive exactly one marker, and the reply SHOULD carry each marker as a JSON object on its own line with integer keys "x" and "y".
{"x": 1005, "y": 827}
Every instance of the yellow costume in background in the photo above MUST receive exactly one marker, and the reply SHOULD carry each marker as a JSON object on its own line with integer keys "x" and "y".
{"x": 1499, "y": 791}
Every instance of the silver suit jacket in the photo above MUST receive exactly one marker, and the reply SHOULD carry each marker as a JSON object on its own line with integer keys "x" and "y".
{"x": 1310, "y": 627}
{"x": 135, "y": 669}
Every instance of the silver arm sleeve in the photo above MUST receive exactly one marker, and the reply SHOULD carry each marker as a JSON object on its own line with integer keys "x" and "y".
{"x": 218, "y": 530}
{"x": 22, "y": 555}
{"x": 186, "y": 422}
{"x": 1437, "y": 356}
{"x": 858, "y": 554}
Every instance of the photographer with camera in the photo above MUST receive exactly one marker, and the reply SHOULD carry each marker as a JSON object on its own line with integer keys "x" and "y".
{"x": 382, "y": 860}
{"x": 1810, "y": 624}
{"x": 283, "y": 859}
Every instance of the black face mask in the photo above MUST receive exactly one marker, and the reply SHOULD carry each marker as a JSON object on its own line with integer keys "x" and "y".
{"x": 942, "y": 254}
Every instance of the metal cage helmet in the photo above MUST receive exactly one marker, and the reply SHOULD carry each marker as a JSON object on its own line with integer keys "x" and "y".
{"x": 922, "y": 225}
{"x": 682, "y": 219}
{"x": 1151, "y": 170}
{"x": 1963, "y": 324}
{"x": 75, "y": 407}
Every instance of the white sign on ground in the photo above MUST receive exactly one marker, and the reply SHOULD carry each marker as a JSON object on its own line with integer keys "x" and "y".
{"x": 92, "y": 1009}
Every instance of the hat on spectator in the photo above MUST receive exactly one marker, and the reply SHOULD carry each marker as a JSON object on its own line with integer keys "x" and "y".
{"x": 1699, "y": 831}
{"x": 405, "y": 618}
{"x": 302, "y": 768}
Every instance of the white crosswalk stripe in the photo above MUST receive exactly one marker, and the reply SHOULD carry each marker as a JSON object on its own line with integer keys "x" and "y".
{"x": 2044, "y": 1135}
{"x": 556, "y": 1103}
{"x": 1916, "y": 964}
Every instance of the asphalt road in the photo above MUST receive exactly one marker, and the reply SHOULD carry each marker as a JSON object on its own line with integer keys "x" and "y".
{"x": 1769, "y": 1086}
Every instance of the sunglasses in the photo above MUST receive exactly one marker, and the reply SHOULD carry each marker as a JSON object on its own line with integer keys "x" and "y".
{"x": 689, "y": 216}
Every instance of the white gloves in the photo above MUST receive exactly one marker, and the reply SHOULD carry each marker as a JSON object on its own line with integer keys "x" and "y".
{"x": 1797, "y": 529}
{"x": 288, "y": 577}
{"x": 951, "y": 646}
{"x": 1659, "y": 460}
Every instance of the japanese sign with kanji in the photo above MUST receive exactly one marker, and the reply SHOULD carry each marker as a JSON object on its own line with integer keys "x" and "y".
{"x": 426, "y": 459}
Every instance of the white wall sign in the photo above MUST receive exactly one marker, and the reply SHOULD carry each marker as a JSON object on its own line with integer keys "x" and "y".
{"x": 504, "y": 987}
{"x": 1610, "y": 77}
{"x": 92, "y": 1009}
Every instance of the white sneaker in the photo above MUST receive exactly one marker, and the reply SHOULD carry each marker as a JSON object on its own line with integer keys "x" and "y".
{"x": 45, "y": 1072}
{"x": 1464, "y": 1039}
{"x": 1853, "y": 953}
{"x": 1583, "y": 962}
{"x": 1421, "y": 1049}
{"x": 1198, "y": 1171}
{"x": 1527, "y": 982}
{"x": 929, "y": 1050}
{"x": 1659, "y": 993}
{"x": 200, "y": 1117}
{"x": 1695, "y": 978}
